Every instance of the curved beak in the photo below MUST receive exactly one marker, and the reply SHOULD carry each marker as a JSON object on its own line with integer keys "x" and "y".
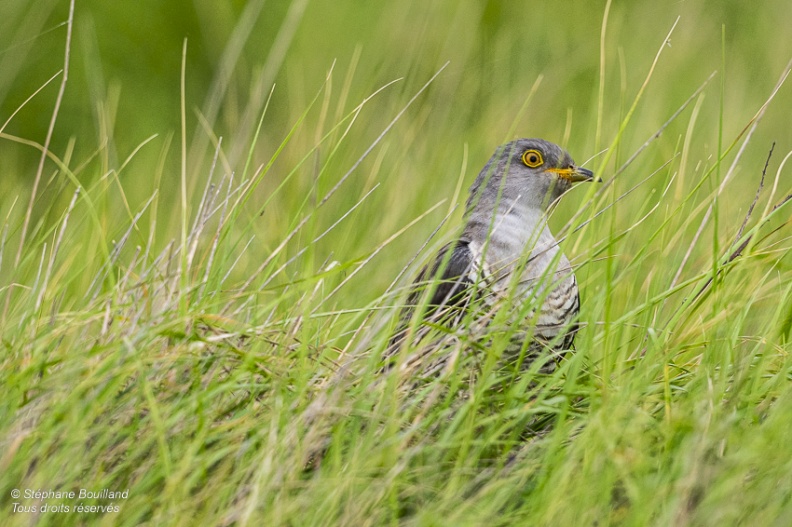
{"x": 575, "y": 174}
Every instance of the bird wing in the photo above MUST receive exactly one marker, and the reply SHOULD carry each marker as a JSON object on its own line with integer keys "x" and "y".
{"x": 454, "y": 272}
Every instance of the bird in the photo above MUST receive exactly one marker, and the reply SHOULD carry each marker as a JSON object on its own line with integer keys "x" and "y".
{"x": 505, "y": 258}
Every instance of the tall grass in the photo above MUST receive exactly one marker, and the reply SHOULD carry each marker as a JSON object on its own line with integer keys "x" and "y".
{"x": 207, "y": 333}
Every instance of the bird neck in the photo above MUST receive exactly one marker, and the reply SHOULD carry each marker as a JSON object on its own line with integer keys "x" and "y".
{"x": 513, "y": 230}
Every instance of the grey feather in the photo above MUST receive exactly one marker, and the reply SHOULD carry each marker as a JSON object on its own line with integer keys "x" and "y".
{"x": 506, "y": 233}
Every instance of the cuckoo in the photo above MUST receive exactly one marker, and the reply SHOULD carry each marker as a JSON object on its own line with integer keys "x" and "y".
{"x": 506, "y": 257}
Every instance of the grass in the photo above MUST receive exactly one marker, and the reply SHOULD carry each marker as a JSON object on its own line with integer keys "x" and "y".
{"x": 195, "y": 316}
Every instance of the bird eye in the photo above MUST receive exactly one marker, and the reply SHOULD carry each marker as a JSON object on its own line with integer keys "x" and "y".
{"x": 532, "y": 158}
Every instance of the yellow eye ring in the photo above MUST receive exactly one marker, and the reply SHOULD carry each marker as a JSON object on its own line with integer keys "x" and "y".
{"x": 532, "y": 158}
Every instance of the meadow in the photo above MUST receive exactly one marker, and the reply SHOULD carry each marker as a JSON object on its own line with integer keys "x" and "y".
{"x": 210, "y": 215}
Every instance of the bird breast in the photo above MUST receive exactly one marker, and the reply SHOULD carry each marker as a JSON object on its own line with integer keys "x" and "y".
{"x": 534, "y": 254}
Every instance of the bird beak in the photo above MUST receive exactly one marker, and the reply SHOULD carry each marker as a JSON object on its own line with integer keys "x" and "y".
{"x": 575, "y": 174}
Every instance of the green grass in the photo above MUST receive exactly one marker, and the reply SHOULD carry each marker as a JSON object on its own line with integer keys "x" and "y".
{"x": 204, "y": 317}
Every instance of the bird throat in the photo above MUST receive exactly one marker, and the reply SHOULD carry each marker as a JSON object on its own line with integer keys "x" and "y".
{"x": 515, "y": 234}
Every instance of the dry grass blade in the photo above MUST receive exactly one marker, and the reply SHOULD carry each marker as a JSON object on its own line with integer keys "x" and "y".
{"x": 50, "y": 130}
{"x": 756, "y": 197}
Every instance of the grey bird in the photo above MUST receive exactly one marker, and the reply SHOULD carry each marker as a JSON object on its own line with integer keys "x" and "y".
{"x": 506, "y": 257}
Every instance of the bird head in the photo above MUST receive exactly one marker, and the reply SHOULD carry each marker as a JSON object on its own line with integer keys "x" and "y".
{"x": 530, "y": 172}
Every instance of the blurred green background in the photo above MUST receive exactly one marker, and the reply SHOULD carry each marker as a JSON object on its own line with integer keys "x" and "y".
{"x": 123, "y": 88}
{"x": 675, "y": 409}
